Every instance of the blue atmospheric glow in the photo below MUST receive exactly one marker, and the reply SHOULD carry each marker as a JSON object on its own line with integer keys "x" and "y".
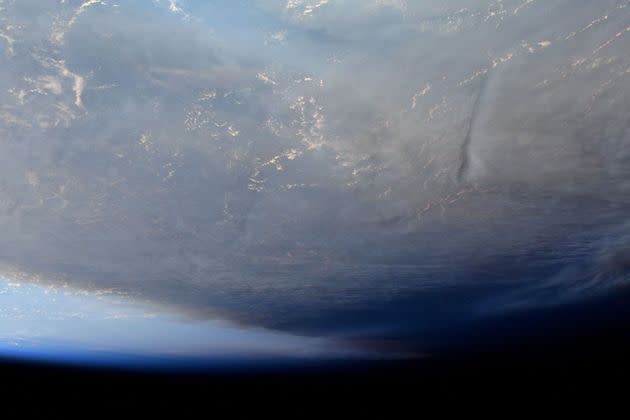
{"x": 62, "y": 324}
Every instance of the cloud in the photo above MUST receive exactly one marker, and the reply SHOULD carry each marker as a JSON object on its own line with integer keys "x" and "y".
{"x": 315, "y": 180}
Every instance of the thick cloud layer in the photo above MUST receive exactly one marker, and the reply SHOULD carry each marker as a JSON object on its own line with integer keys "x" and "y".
{"x": 319, "y": 166}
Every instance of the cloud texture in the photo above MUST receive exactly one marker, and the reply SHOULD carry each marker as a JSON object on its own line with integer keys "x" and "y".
{"x": 352, "y": 168}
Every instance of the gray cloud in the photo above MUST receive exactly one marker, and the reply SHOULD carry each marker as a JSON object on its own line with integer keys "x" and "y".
{"x": 382, "y": 151}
